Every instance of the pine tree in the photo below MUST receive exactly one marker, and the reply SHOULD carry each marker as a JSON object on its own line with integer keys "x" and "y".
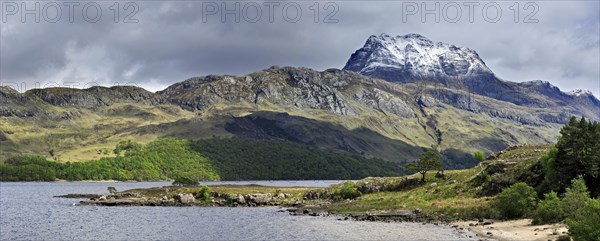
{"x": 428, "y": 161}
{"x": 577, "y": 154}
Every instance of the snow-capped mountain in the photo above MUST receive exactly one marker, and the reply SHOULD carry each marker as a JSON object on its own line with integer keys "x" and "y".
{"x": 412, "y": 56}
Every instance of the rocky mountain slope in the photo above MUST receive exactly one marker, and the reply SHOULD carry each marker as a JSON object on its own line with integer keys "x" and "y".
{"x": 428, "y": 98}
{"x": 334, "y": 109}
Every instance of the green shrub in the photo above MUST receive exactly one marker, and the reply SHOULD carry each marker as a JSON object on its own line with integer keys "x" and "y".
{"x": 203, "y": 194}
{"x": 585, "y": 225}
{"x": 346, "y": 191}
{"x": 515, "y": 202}
{"x": 549, "y": 210}
{"x": 479, "y": 156}
{"x": 577, "y": 195}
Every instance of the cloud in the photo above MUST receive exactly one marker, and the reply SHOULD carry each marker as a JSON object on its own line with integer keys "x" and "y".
{"x": 173, "y": 41}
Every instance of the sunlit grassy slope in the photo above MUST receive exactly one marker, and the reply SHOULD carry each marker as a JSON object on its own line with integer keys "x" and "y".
{"x": 461, "y": 195}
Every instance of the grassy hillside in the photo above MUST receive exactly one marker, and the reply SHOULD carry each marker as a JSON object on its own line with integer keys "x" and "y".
{"x": 78, "y": 134}
{"x": 462, "y": 194}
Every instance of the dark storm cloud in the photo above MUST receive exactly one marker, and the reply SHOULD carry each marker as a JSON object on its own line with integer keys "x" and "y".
{"x": 172, "y": 41}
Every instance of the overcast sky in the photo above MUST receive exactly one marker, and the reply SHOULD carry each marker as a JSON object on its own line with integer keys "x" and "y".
{"x": 173, "y": 41}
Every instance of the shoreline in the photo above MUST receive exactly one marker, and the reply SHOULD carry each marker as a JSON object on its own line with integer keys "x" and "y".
{"x": 520, "y": 229}
{"x": 170, "y": 181}
{"x": 294, "y": 201}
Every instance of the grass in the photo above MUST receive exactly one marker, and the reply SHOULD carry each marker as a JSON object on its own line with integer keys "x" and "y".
{"x": 459, "y": 200}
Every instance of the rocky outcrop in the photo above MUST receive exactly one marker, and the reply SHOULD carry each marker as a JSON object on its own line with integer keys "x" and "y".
{"x": 291, "y": 87}
{"x": 384, "y": 101}
{"x": 95, "y": 96}
{"x": 13, "y": 103}
{"x": 181, "y": 199}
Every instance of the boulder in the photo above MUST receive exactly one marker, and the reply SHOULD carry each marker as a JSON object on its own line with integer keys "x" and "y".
{"x": 239, "y": 199}
{"x": 261, "y": 199}
{"x": 249, "y": 198}
{"x": 165, "y": 201}
{"x": 185, "y": 198}
{"x": 440, "y": 175}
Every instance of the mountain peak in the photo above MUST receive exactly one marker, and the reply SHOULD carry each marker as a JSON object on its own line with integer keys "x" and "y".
{"x": 537, "y": 82}
{"x": 412, "y": 38}
{"x": 404, "y": 57}
{"x": 580, "y": 92}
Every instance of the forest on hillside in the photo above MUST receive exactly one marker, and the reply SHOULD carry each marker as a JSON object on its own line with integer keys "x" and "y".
{"x": 211, "y": 159}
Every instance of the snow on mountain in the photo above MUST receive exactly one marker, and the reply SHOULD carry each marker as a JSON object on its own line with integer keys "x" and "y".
{"x": 413, "y": 58}
{"x": 580, "y": 92}
{"x": 413, "y": 55}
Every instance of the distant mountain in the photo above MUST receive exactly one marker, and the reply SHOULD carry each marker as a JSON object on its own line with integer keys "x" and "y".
{"x": 413, "y": 58}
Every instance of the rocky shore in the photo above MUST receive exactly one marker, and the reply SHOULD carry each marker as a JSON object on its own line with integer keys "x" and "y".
{"x": 314, "y": 202}
{"x": 311, "y": 203}
{"x": 180, "y": 199}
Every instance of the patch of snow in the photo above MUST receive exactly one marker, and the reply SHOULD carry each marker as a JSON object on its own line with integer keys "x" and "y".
{"x": 580, "y": 92}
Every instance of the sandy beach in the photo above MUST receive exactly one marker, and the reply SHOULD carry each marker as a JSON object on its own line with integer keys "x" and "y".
{"x": 514, "y": 230}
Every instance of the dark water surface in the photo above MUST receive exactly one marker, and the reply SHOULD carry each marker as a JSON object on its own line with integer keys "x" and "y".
{"x": 29, "y": 212}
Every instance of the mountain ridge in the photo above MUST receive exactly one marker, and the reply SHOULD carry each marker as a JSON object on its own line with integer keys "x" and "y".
{"x": 337, "y": 110}
{"x": 334, "y": 109}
